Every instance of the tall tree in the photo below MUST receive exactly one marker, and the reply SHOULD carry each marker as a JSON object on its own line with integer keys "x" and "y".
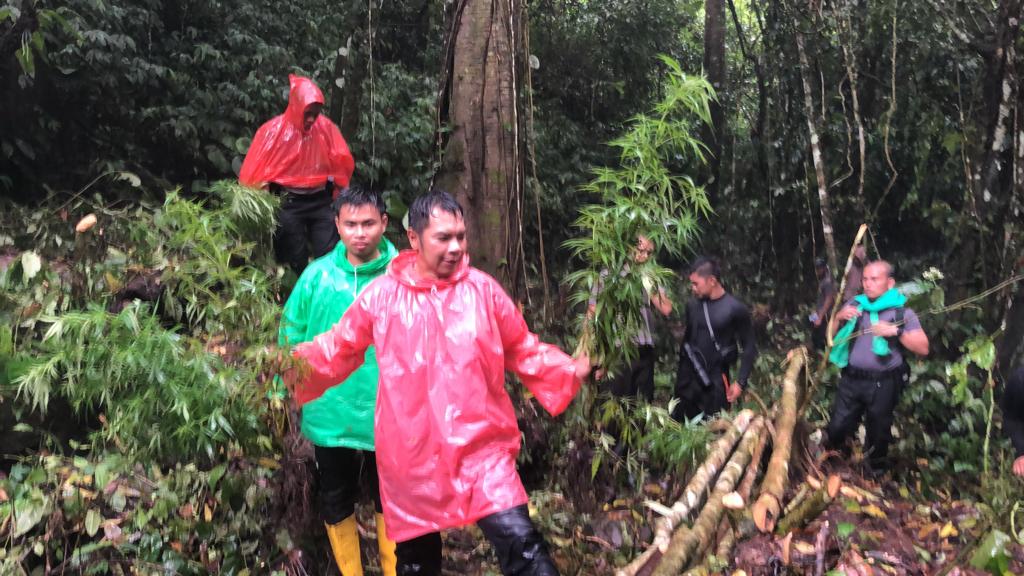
{"x": 714, "y": 68}
{"x": 811, "y": 114}
{"x": 482, "y": 161}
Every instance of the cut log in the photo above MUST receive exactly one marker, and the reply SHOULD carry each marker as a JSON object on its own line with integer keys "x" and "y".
{"x": 693, "y": 495}
{"x": 768, "y": 507}
{"x": 807, "y": 511}
{"x": 687, "y": 545}
{"x": 728, "y": 535}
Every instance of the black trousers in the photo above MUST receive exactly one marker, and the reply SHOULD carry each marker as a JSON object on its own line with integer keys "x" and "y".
{"x": 304, "y": 223}
{"x": 342, "y": 474}
{"x": 520, "y": 547}
{"x": 694, "y": 397}
{"x": 638, "y": 378}
{"x": 871, "y": 395}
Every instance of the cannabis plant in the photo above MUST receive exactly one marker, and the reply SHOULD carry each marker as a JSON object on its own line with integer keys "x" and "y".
{"x": 160, "y": 393}
{"x": 647, "y": 194}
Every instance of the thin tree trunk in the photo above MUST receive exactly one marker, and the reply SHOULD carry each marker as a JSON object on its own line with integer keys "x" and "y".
{"x": 714, "y": 68}
{"x": 1010, "y": 349}
{"x": 819, "y": 163}
{"x": 849, "y": 58}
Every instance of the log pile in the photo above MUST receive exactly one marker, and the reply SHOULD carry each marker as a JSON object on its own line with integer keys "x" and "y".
{"x": 715, "y": 510}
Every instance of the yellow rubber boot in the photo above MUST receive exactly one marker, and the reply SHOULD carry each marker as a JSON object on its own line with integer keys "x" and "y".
{"x": 388, "y": 560}
{"x": 344, "y": 537}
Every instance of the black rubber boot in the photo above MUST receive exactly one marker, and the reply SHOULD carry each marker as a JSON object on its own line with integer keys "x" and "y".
{"x": 520, "y": 547}
{"x": 420, "y": 556}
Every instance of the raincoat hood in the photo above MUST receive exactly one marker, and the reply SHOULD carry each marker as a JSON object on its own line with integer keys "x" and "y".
{"x": 446, "y": 430}
{"x": 403, "y": 270}
{"x": 302, "y": 93}
{"x": 283, "y": 153}
{"x": 343, "y": 416}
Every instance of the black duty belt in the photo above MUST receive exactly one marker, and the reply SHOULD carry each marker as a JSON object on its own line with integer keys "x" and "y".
{"x": 859, "y": 374}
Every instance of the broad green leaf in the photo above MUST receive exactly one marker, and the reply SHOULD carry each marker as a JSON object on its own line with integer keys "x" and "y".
{"x": 30, "y": 513}
{"x": 93, "y": 519}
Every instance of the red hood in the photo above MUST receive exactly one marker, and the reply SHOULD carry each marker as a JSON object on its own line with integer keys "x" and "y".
{"x": 403, "y": 270}
{"x": 302, "y": 93}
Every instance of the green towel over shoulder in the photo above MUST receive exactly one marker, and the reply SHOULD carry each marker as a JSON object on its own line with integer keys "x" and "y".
{"x": 840, "y": 355}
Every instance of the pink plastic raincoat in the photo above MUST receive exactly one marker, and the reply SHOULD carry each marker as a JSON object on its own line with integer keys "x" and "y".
{"x": 281, "y": 152}
{"x": 446, "y": 431}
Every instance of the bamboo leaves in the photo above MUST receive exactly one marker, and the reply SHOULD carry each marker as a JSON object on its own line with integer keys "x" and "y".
{"x": 648, "y": 195}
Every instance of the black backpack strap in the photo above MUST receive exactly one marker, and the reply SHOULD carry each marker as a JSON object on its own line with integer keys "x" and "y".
{"x": 895, "y": 340}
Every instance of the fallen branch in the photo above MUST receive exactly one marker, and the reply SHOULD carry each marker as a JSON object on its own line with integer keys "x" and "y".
{"x": 687, "y": 544}
{"x": 810, "y": 508}
{"x": 768, "y": 507}
{"x": 693, "y": 495}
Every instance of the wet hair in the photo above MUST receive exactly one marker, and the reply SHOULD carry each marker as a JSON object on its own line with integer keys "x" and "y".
{"x": 889, "y": 270}
{"x": 419, "y": 212}
{"x": 706, "y": 266}
{"x": 356, "y": 196}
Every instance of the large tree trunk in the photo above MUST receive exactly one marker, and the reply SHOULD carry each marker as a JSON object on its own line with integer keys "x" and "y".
{"x": 714, "y": 67}
{"x": 482, "y": 163}
{"x": 988, "y": 188}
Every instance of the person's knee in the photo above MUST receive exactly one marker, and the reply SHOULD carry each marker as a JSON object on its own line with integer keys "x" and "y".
{"x": 336, "y": 504}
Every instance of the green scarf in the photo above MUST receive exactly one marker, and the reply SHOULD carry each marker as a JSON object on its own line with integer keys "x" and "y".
{"x": 840, "y": 355}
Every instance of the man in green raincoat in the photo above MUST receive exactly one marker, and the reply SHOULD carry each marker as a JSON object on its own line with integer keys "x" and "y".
{"x": 340, "y": 423}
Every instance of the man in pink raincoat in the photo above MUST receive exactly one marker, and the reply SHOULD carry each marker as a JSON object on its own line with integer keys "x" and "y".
{"x": 446, "y": 431}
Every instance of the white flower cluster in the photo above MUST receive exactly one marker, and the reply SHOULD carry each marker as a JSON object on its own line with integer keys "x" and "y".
{"x": 932, "y": 274}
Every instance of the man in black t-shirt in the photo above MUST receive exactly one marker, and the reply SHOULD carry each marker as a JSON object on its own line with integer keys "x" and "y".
{"x": 718, "y": 328}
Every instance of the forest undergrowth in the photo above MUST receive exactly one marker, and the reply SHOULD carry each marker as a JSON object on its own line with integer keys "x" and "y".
{"x": 143, "y": 433}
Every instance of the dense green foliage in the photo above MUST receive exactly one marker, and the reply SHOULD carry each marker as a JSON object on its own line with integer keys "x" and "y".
{"x": 130, "y": 110}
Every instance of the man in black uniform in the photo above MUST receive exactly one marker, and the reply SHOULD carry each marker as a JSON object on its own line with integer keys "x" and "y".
{"x": 717, "y": 327}
{"x": 877, "y": 331}
{"x": 1013, "y": 416}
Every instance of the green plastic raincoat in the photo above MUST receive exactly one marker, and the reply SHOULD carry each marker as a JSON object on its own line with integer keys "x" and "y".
{"x": 343, "y": 416}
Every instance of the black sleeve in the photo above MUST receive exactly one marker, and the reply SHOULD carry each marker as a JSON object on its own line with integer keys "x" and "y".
{"x": 745, "y": 335}
{"x": 1013, "y": 410}
{"x": 687, "y": 319}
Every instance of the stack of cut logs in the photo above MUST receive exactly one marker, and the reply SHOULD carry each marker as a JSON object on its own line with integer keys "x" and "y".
{"x": 717, "y": 497}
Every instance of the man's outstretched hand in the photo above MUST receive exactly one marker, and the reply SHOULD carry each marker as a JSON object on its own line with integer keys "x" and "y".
{"x": 582, "y": 365}
{"x": 733, "y": 392}
{"x": 1018, "y": 466}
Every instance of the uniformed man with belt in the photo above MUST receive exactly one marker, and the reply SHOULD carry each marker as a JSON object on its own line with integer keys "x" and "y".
{"x": 875, "y": 332}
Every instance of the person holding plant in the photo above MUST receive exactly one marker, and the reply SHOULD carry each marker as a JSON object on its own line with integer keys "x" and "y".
{"x": 875, "y": 332}
{"x": 302, "y": 156}
{"x": 446, "y": 431}
{"x": 340, "y": 422}
{"x": 638, "y": 377}
{"x": 1013, "y": 416}
{"x": 718, "y": 326}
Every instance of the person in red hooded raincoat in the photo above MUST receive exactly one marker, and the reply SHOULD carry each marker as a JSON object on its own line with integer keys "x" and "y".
{"x": 446, "y": 433}
{"x": 301, "y": 155}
